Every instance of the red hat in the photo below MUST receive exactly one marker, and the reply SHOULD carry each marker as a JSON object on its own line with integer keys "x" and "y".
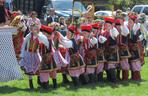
{"x": 47, "y": 29}
{"x": 87, "y": 28}
{"x": 118, "y": 21}
{"x": 77, "y": 33}
{"x": 109, "y": 19}
{"x": 133, "y": 17}
{"x": 72, "y": 28}
{"x": 96, "y": 25}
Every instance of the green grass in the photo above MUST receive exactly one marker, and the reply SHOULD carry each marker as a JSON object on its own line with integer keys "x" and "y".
{"x": 130, "y": 88}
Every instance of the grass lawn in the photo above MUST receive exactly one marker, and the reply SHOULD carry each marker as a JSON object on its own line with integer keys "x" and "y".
{"x": 130, "y": 88}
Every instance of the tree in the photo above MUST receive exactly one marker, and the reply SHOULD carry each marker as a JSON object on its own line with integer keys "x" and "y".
{"x": 123, "y": 4}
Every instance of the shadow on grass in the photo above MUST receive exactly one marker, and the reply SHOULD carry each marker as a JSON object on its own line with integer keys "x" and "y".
{"x": 92, "y": 86}
{"x": 70, "y": 87}
{"x": 7, "y": 89}
{"x": 106, "y": 83}
{"x": 137, "y": 82}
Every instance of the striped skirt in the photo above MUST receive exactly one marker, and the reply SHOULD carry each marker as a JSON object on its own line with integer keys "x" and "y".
{"x": 124, "y": 64}
{"x": 136, "y": 65}
{"x": 30, "y": 62}
{"x": 44, "y": 76}
{"x": 76, "y": 72}
{"x": 100, "y": 67}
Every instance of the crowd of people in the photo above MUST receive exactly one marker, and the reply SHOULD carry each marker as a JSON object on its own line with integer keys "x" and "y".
{"x": 82, "y": 49}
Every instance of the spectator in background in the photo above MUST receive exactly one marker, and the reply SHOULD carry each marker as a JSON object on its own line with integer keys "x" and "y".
{"x": 9, "y": 5}
{"x": 4, "y": 14}
{"x": 52, "y": 16}
{"x": 118, "y": 13}
{"x": 142, "y": 19}
{"x": 63, "y": 26}
{"x": 33, "y": 19}
{"x": 68, "y": 21}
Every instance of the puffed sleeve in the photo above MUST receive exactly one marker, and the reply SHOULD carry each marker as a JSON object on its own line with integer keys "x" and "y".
{"x": 114, "y": 32}
{"x": 43, "y": 39}
{"x": 124, "y": 30}
{"x": 93, "y": 40}
{"x": 65, "y": 41}
{"x": 26, "y": 39}
{"x": 102, "y": 39}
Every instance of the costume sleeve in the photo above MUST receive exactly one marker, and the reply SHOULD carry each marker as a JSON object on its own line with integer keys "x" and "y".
{"x": 114, "y": 33}
{"x": 43, "y": 39}
{"x": 24, "y": 44}
{"x": 93, "y": 40}
{"x": 102, "y": 39}
{"x": 65, "y": 41}
{"x": 136, "y": 28}
{"x": 124, "y": 30}
{"x": 28, "y": 22}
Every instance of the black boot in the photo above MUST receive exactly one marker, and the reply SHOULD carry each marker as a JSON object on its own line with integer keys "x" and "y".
{"x": 55, "y": 83}
{"x": 108, "y": 75}
{"x": 75, "y": 81}
{"x": 83, "y": 79}
{"x": 113, "y": 75}
{"x": 100, "y": 77}
{"x": 65, "y": 79}
{"x": 132, "y": 75}
{"x": 45, "y": 85}
{"x": 91, "y": 78}
{"x": 31, "y": 84}
{"x": 38, "y": 80}
{"x": 118, "y": 74}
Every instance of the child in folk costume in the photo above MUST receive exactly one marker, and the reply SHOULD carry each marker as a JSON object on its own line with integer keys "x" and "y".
{"x": 48, "y": 67}
{"x": 111, "y": 51}
{"x": 18, "y": 38}
{"x": 64, "y": 68}
{"x": 123, "y": 47}
{"x": 134, "y": 47}
{"x": 90, "y": 57}
{"x": 30, "y": 55}
{"x": 100, "y": 50}
{"x": 64, "y": 52}
{"x": 142, "y": 44}
{"x": 76, "y": 66}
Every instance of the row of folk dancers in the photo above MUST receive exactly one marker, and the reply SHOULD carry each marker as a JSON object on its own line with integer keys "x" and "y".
{"x": 84, "y": 53}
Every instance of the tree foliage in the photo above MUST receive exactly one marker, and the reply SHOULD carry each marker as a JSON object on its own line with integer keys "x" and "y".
{"x": 122, "y": 4}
